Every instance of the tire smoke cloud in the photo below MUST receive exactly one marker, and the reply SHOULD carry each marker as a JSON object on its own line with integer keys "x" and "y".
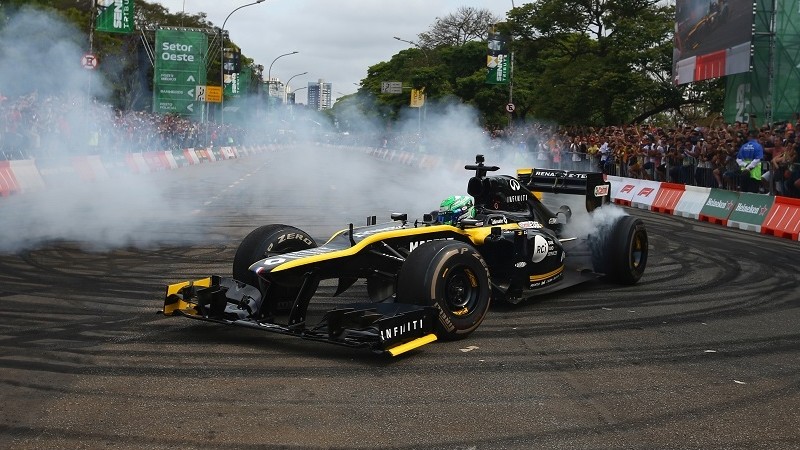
{"x": 318, "y": 170}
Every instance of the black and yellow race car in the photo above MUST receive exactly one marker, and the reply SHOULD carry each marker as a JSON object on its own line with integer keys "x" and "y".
{"x": 426, "y": 279}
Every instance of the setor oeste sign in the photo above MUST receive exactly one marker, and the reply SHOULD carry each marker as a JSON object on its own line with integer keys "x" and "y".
{"x": 176, "y": 52}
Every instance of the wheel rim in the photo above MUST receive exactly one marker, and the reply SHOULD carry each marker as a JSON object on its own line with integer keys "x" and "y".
{"x": 638, "y": 249}
{"x": 461, "y": 290}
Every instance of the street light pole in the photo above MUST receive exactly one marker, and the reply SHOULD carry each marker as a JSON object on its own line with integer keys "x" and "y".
{"x": 222, "y": 59}
{"x": 427, "y": 60}
{"x": 511, "y": 81}
{"x": 301, "y": 88}
{"x": 269, "y": 78}
{"x": 427, "y": 63}
{"x": 286, "y": 87}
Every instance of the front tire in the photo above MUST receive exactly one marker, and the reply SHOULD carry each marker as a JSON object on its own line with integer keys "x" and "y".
{"x": 451, "y": 276}
{"x": 620, "y": 250}
{"x": 266, "y": 241}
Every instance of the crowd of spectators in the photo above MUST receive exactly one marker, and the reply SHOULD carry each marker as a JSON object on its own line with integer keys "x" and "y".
{"x": 35, "y": 126}
{"x": 687, "y": 154}
{"x": 39, "y": 127}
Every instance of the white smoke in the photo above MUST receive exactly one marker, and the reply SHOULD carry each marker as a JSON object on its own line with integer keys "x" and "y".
{"x": 583, "y": 224}
{"x": 324, "y": 177}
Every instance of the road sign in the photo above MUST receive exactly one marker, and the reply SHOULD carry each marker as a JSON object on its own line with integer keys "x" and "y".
{"x": 391, "y": 87}
{"x": 213, "y": 94}
{"x": 89, "y": 61}
{"x": 179, "y": 70}
{"x": 510, "y": 107}
{"x": 200, "y": 93}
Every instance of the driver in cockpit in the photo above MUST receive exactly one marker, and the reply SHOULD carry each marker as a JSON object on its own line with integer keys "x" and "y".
{"x": 454, "y": 209}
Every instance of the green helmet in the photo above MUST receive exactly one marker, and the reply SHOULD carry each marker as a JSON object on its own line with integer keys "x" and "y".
{"x": 455, "y": 208}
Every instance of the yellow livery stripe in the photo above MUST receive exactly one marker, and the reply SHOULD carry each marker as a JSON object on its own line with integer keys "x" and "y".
{"x": 545, "y": 276}
{"x": 173, "y": 289}
{"x": 173, "y": 301}
{"x": 476, "y": 235}
{"x": 411, "y": 345}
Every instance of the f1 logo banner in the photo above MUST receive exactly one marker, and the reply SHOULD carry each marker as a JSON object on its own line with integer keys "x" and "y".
{"x": 115, "y": 16}
{"x": 180, "y": 68}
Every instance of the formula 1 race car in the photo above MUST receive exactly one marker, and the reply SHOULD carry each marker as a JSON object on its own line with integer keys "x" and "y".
{"x": 717, "y": 15}
{"x": 426, "y": 279}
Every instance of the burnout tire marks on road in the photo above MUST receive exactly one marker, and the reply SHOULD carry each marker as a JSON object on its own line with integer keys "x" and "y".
{"x": 703, "y": 353}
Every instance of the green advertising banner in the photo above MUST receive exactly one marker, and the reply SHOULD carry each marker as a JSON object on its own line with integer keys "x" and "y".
{"x": 720, "y": 204}
{"x": 232, "y": 84}
{"x": 245, "y": 80}
{"x": 238, "y": 84}
{"x": 180, "y": 68}
{"x": 786, "y": 97}
{"x": 737, "y": 106}
{"x": 752, "y": 209}
{"x": 757, "y": 95}
{"x": 114, "y": 16}
{"x": 497, "y": 60}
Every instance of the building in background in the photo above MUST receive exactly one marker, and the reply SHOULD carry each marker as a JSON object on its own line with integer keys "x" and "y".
{"x": 319, "y": 95}
{"x": 275, "y": 91}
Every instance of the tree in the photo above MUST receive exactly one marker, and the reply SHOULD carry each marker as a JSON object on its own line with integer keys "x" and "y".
{"x": 125, "y": 65}
{"x": 597, "y": 61}
{"x": 590, "y": 62}
{"x": 458, "y": 28}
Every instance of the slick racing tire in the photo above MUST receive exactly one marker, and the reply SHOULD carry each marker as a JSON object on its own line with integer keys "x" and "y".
{"x": 265, "y": 241}
{"x": 453, "y": 277}
{"x": 619, "y": 250}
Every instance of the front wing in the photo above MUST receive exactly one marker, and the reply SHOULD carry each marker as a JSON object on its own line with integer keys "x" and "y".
{"x": 390, "y": 328}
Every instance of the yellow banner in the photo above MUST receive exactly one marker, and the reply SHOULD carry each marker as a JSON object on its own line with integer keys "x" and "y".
{"x": 417, "y": 98}
{"x": 213, "y": 94}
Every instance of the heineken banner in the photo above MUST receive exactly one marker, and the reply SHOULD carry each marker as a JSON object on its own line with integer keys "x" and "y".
{"x": 751, "y": 211}
{"x": 497, "y": 60}
{"x": 719, "y": 205}
{"x": 180, "y": 69}
{"x": 115, "y": 16}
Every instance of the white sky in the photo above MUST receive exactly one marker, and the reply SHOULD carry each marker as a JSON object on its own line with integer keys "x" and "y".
{"x": 337, "y": 40}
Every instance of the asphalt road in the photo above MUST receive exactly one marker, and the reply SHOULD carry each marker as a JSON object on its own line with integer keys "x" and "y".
{"x": 703, "y": 353}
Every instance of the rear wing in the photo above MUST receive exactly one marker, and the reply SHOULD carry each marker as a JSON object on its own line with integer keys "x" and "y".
{"x": 591, "y": 184}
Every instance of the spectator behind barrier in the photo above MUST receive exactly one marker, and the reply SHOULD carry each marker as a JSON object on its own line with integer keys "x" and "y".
{"x": 34, "y": 126}
{"x": 749, "y": 158}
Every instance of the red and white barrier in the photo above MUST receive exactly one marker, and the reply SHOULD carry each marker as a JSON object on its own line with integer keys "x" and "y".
{"x": 783, "y": 219}
{"x": 191, "y": 156}
{"x": 645, "y": 195}
{"x": 692, "y": 202}
{"x": 623, "y": 189}
{"x": 172, "y": 163}
{"x": 668, "y": 197}
{"x": 227, "y": 152}
{"x": 89, "y": 168}
{"x": 27, "y": 175}
{"x": 136, "y": 163}
{"x": 8, "y": 182}
{"x": 205, "y": 155}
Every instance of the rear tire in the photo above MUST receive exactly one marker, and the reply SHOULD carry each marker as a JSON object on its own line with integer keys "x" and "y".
{"x": 265, "y": 241}
{"x": 451, "y": 276}
{"x": 620, "y": 250}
